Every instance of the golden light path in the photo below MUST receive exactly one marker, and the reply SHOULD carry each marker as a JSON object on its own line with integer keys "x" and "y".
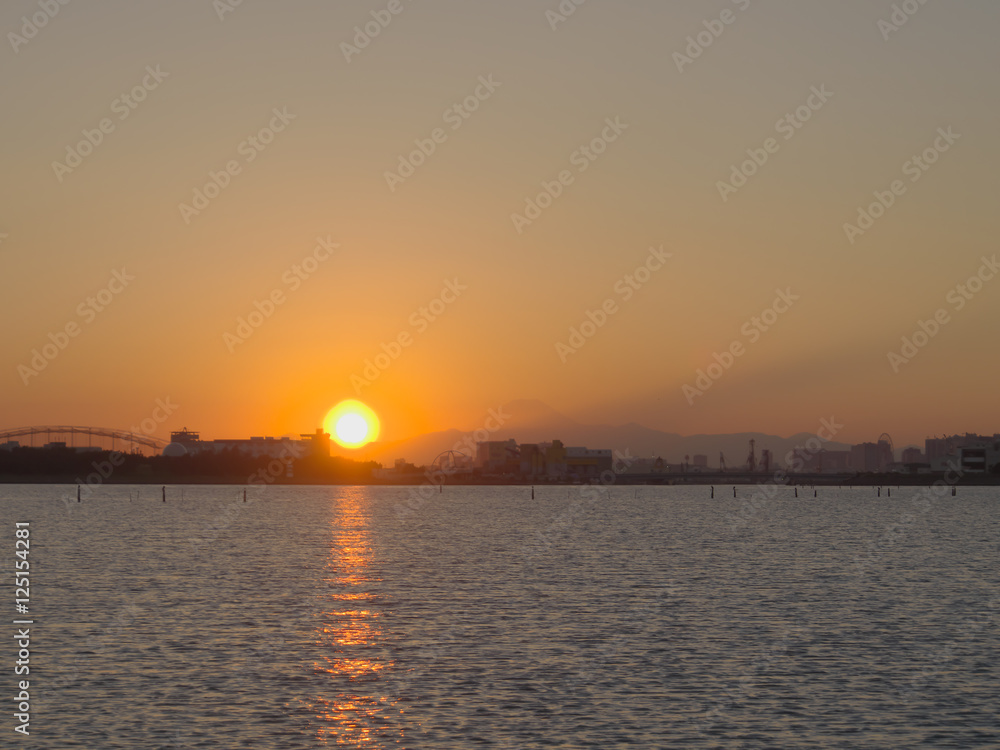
{"x": 362, "y": 711}
{"x": 352, "y": 424}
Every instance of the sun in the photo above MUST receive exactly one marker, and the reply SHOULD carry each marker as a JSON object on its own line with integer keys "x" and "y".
{"x": 352, "y": 424}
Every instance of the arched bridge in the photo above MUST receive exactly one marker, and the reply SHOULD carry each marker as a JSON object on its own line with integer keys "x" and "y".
{"x": 132, "y": 439}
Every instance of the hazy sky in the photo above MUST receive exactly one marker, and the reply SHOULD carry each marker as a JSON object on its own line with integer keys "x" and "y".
{"x": 509, "y": 290}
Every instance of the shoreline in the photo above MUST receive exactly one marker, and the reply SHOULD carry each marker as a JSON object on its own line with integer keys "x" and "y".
{"x": 718, "y": 481}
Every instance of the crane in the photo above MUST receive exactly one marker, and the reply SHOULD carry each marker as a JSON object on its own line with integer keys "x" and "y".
{"x": 752, "y": 458}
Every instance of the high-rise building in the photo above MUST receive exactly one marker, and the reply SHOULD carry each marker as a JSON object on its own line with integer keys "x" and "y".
{"x": 833, "y": 461}
{"x": 532, "y": 460}
{"x": 946, "y": 452}
{"x": 866, "y": 457}
{"x": 496, "y": 455}
{"x": 982, "y": 456}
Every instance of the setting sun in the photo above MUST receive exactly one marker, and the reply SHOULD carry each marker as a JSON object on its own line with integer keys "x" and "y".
{"x": 352, "y": 424}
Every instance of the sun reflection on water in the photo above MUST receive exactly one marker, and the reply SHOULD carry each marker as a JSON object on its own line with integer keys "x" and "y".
{"x": 356, "y": 709}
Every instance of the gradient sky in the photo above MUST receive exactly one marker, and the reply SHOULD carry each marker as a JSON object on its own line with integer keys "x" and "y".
{"x": 656, "y": 185}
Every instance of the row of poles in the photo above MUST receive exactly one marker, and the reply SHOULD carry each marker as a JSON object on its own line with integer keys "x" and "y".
{"x": 888, "y": 491}
{"x": 164, "y": 494}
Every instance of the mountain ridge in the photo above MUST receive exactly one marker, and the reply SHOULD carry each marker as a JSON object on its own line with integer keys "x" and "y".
{"x": 531, "y": 421}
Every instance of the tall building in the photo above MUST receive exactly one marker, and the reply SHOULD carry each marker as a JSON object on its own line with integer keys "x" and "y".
{"x": 319, "y": 442}
{"x": 944, "y": 453}
{"x": 835, "y": 462}
{"x": 983, "y": 456}
{"x": 497, "y": 455}
{"x": 867, "y": 457}
{"x": 532, "y": 460}
{"x": 886, "y": 455}
{"x": 555, "y": 459}
{"x": 936, "y": 449}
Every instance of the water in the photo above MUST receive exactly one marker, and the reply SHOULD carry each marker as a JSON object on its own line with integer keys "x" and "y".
{"x": 643, "y": 617}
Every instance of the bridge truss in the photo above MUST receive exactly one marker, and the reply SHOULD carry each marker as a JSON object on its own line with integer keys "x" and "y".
{"x": 119, "y": 438}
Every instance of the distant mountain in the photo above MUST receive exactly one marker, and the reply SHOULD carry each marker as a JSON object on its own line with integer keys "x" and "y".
{"x": 529, "y": 421}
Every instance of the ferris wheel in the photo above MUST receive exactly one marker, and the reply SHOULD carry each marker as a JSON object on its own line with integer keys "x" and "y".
{"x": 450, "y": 461}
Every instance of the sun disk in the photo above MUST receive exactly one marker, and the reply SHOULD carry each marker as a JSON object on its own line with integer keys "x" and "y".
{"x": 352, "y": 424}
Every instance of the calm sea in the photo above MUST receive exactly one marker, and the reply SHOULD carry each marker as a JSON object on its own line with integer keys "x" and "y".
{"x": 310, "y": 617}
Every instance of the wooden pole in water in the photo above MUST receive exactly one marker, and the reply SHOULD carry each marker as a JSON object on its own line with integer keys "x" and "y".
{"x": 953, "y": 492}
{"x": 796, "y": 492}
{"x": 532, "y": 493}
{"x": 713, "y": 492}
{"x": 814, "y": 493}
{"x": 734, "y": 491}
{"x": 164, "y": 493}
{"x": 78, "y": 493}
{"x": 244, "y": 494}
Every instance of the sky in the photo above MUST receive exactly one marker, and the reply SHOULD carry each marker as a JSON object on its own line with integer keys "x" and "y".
{"x": 234, "y": 210}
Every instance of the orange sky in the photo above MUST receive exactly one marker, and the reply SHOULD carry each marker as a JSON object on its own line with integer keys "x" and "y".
{"x": 442, "y": 237}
